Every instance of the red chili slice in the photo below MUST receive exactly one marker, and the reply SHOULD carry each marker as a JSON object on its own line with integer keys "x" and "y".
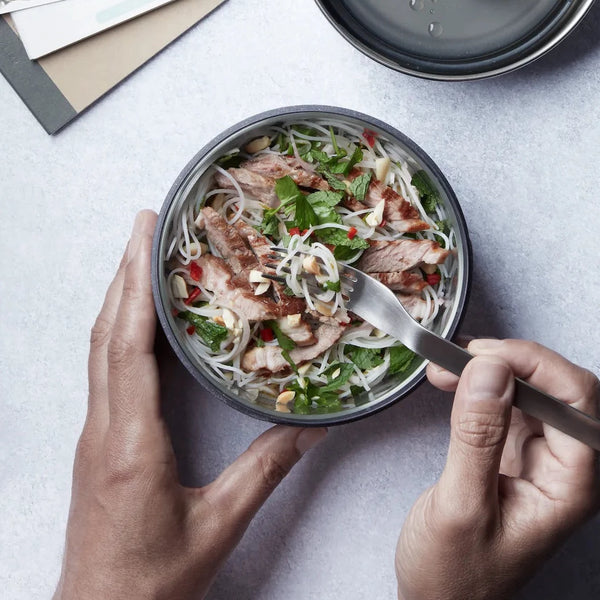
{"x": 191, "y": 330}
{"x": 266, "y": 334}
{"x": 352, "y": 233}
{"x": 192, "y": 296}
{"x": 383, "y": 223}
{"x": 433, "y": 279}
{"x": 195, "y": 271}
{"x": 369, "y": 137}
{"x": 294, "y": 231}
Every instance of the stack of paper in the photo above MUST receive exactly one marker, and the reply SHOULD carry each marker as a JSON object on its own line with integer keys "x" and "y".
{"x": 90, "y": 33}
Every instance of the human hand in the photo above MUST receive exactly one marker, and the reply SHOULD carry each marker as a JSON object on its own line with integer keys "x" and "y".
{"x": 134, "y": 532}
{"x": 513, "y": 488}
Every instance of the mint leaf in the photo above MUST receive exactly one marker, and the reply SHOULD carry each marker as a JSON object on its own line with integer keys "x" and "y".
{"x": 344, "y": 167}
{"x": 323, "y": 204}
{"x": 287, "y": 191}
{"x": 400, "y": 359}
{"x": 335, "y": 383}
{"x": 270, "y": 223}
{"x": 339, "y": 237}
{"x": 365, "y": 358}
{"x": 305, "y": 216}
{"x": 335, "y": 286}
{"x": 285, "y": 342}
{"x": 211, "y": 333}
{"x": 359, "y": 187}
{"x": 333, "y": 181}
{"x": 430, "y": 197}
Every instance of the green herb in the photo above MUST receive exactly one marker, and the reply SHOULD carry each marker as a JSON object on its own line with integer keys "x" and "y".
{"x": 287, "y": 191}
{"x": 339, "y": 237}
{"x": 333, "y": 140}
{"x": 429, "y": 194}
{"x": 305, "y": 216}
{"x": 365, "y": 358}
{"x": 334, "y": 286}
{"x": 308, "y": 394}
{"x": 323, "y": 204}
{"x": 288, "y": 291}
{"x": 443, "y": 226}
{"x": 333, "y": 181}
{"x": 211, "y": 333}
{"x": 234, "y": 159}
{"x": 344, "y": 167}
{"x": 359, "y": 187}
{"x": 343, "y": 253}
{"x": 285, "y": 343}
{"x": 270, "y": 223}
{"x": 259, "y": 343}
{"x": 400, "y": 359}
{"x": 335, "y": 379}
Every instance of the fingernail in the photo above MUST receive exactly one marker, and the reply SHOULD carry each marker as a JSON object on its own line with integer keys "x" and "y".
{"x": 488, "y": 378}
{"x": 309, "y": 438}
{"x": 137, "y": 234}
{"x": 481, "y": 345}
{"x": 436, "y": 368}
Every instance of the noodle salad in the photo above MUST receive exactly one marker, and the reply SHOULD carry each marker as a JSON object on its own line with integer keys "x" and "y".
{"x": 324, "y": 192}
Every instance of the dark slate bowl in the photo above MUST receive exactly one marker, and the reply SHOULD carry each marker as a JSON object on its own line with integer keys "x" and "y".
{"x": 391, "y": 389}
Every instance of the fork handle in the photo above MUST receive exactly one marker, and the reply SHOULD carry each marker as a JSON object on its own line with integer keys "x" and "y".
{"x": 529, "y": 399}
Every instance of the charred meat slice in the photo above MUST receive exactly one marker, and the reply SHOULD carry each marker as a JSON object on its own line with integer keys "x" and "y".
{"x": 270, "y": 358}
{"x": 217, "y": 277}
{"x": 399, "y": 214}
{"x": 402, "y": 281}
{"x": 228, "y": 241}
{"x": 258, "y": 186}
{"x": 401, "y": 255}
{"x": 276, "y": 166}
{"x": 261, "y": 247}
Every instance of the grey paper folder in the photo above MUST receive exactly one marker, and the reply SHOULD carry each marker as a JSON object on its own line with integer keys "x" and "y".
{"x": 58, "y": 87}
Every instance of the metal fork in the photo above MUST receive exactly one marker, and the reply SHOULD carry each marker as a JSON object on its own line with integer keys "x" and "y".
{"x": 378, "y": 306}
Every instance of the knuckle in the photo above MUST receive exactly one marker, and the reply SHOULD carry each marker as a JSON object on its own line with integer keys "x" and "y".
{"x": 120, "y": 467}
{"x": 101, "y": 332}
{"x": 481, "y": 430}
{"x": 133, "y": 290}
{"x": 271, "y": 469}
{"x": 120, "y": 351}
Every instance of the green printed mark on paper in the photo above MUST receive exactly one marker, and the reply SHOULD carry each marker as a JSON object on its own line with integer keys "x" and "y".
{"x": 120, "y": 9}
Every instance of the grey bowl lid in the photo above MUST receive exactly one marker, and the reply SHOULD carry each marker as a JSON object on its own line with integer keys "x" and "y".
{"x": 482, "y": 38}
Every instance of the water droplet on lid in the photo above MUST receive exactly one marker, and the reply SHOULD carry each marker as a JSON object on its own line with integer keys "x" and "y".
{"x": 417, "y": 4}
{"x": 435, "y": 29}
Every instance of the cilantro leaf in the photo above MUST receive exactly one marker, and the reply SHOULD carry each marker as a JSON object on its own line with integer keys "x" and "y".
{"x": 211, "y": 333}
{"x": 400, "y": 359}
{"x": 359, "y": 187}
{"x": 430, "y": 197}
{"x": 270, "y": 223}
{"x": 365, "y": 358}
{"x": 287, "y": 191}
{"x": 344, "y": 167}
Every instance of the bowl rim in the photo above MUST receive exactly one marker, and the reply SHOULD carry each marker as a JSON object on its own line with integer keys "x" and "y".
{"x": 540, "y": 44}
{"x": 329, "y": 419}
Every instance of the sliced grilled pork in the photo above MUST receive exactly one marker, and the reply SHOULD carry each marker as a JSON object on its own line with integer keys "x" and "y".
{"x": 228, "y": 241}
{"x": 269, "y": 358}
{"x": 401, "y": 255}
{"x": 297, "y": 330}
{"x": 254, "y": 184}
{"x": 402, "y": 281}
{"x": 276, "y": 166}
{"x": 415, "y": 306}
{"x": 217, "y": 277}
{"x": 261, "y": 247}
{"x": 399, "y": 214}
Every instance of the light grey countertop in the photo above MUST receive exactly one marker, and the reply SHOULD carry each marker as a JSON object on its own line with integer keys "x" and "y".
{"x": 523, "y": 154}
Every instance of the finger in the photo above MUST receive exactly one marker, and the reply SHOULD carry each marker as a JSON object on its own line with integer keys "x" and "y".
{"x": 97, "y": 415}
{"x": 245, "y": 485}
{"x": 132, "y": 372}
{"x": 479, "y": 424}
{"x": 440, "y": 377}
{"x": 555, "y": 375}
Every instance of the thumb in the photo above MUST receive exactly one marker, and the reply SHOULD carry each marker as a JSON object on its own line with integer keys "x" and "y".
{"x": 247, "y": 483}
{"x": 479, "y": 424}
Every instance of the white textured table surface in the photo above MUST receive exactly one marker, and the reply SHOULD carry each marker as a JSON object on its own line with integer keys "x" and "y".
{"x": 523, "y": 155}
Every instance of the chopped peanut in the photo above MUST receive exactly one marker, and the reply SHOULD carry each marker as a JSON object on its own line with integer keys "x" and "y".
{"x": 310, "y": 265}
{"x": 382, "y": 168}
{"x": 219, "y": 320}
{"x": 179, "y": 287}
{"x": 325, "y": 308}
{"x": 429, "y": 269}
{"x": 258, "y": 144}
{"x": 294, "y": 320}
{"x": 261, "y": 288}
{"x": 375, "y": 218}
{"x": 257, "y": 277}
{"x": 286, "y": 397}
{"x": 229, "y": 318}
